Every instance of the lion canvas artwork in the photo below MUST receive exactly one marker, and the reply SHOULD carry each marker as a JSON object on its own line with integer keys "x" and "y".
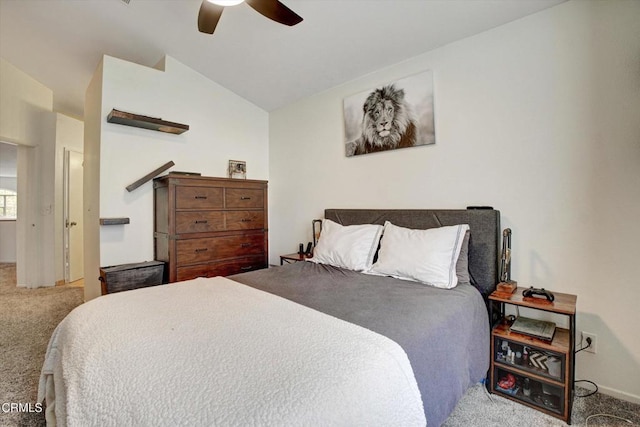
{"x": 391, "y": 116}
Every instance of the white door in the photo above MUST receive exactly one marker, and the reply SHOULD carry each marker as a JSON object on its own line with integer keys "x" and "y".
{"x": 74, "y": 239}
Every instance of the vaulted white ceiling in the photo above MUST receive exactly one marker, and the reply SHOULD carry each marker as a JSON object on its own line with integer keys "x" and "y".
{"x": 60, "y": 42}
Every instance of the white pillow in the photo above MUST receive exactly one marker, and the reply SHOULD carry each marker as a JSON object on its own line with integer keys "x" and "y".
{"x": 427, "y": 256}
{"x": 352, "y": 246}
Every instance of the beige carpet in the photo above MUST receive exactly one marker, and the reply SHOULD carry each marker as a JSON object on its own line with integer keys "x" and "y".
{"x": 478, "y": 408}
{"x": 28, "y": 317}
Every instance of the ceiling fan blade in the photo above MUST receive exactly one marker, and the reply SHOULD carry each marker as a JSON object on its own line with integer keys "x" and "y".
{"x": 276, "y": 11}
{"x": 209, "y": 16}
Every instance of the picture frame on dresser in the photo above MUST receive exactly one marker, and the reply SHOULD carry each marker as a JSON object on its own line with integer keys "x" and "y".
{"x": 237, "y": 169}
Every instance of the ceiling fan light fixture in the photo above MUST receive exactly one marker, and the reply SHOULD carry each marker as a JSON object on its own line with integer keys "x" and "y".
{"x": 226, "y": 2}
{"x": 211, "y": 11}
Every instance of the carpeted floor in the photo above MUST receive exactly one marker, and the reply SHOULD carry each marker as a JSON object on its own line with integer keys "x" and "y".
{"x": 478, "y": 408}
{"x": 28, "y": 317}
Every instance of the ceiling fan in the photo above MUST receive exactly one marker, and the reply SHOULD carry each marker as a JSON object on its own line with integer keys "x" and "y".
{"x": 211, "y": 10}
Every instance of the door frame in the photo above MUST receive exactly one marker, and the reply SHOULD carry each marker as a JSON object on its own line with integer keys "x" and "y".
{"x": 66, "y": 214}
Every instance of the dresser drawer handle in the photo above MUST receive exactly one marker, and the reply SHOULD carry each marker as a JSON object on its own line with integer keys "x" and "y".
{"x": 245, "y": 198}
{"x": 246, "y": 220}
{"x": 246, "y": 268}
{"x": 201, "y": 197}
{"x": 202, "y": 250}
{"x": 203, "y": 221}
{"x": 245, "y": 245}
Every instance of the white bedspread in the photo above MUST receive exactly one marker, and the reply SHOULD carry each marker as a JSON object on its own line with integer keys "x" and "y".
{"x": 216, "y": 352}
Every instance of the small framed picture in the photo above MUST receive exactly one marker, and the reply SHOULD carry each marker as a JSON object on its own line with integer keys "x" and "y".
{"x": 237, "y": 169}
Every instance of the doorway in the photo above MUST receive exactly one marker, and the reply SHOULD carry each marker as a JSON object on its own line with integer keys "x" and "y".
{"x": 8, "y": 213}
{"x": 73, "y": 216}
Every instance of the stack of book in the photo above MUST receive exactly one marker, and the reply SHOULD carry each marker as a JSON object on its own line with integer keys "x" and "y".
{"x": 536, "y": 328}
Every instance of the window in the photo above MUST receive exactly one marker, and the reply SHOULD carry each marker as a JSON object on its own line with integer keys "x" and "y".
{"x": 8, "y": 204}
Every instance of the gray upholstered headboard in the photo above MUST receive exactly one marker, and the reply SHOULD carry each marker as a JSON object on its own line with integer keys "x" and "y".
{"x": 483, "y": 243}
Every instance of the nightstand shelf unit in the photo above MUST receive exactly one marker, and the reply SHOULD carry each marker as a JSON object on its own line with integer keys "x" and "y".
{"x": 291, "y": 258}
{"x": 542, "y": 373}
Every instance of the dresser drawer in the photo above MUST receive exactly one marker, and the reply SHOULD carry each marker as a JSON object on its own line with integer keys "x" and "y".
{"x": 245, "y": 220}
{"x": 221, "y": 268}
{"x": 199, "y": 197}
{"x": 199, "y": 222}
{"x": 190, "y": 251}
{"x": 244, "y": 198}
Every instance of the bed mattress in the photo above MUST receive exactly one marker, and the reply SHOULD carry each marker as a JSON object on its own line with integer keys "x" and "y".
{"x": 444, "y": 332}
{"x": 216, "y": 352}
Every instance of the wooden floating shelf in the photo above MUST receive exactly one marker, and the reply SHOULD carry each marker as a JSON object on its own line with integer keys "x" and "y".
{"x": 114, "y": 221}
{"x": 150, "y": 176}
{"x": 139, "y": 121}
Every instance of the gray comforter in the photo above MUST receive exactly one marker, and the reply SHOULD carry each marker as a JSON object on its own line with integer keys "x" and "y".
{"x": 445, "y": 333}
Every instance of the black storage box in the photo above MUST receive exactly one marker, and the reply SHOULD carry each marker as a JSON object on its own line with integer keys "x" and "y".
{"x": 125, "y": 277}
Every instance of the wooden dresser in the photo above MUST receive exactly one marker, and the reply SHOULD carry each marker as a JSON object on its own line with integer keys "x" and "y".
{"x": 206, "y": 227}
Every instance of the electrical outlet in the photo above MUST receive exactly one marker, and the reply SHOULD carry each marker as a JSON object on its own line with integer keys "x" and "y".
{"x": 592, "y": 348}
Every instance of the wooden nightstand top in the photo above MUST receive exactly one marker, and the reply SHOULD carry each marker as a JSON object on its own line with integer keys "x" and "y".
{"x": 293, "y": 258}
{"x": 562, "y": 303}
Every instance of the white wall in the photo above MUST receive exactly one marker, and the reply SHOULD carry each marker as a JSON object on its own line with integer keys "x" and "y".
{"x": 23, "y": 100}
{"x": 538, "y": 118}
{"x": 7, "y": 241}
{"x": 25, "y": 113}
{"x": 91, "y": 183}
{"x": 223, "y": 126}
{"x": 43, "y": 193}
{"x": 26, "y": 118}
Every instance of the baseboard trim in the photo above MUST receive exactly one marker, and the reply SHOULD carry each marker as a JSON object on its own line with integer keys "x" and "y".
{"x": 619, "y": 394}
{"x": 60, "y": 282}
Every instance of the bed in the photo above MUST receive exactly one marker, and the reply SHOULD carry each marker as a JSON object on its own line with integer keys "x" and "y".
{"x": 303, "y": 344}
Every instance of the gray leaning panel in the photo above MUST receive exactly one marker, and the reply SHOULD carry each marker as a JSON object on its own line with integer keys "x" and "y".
{"x": 484, "y": 241}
